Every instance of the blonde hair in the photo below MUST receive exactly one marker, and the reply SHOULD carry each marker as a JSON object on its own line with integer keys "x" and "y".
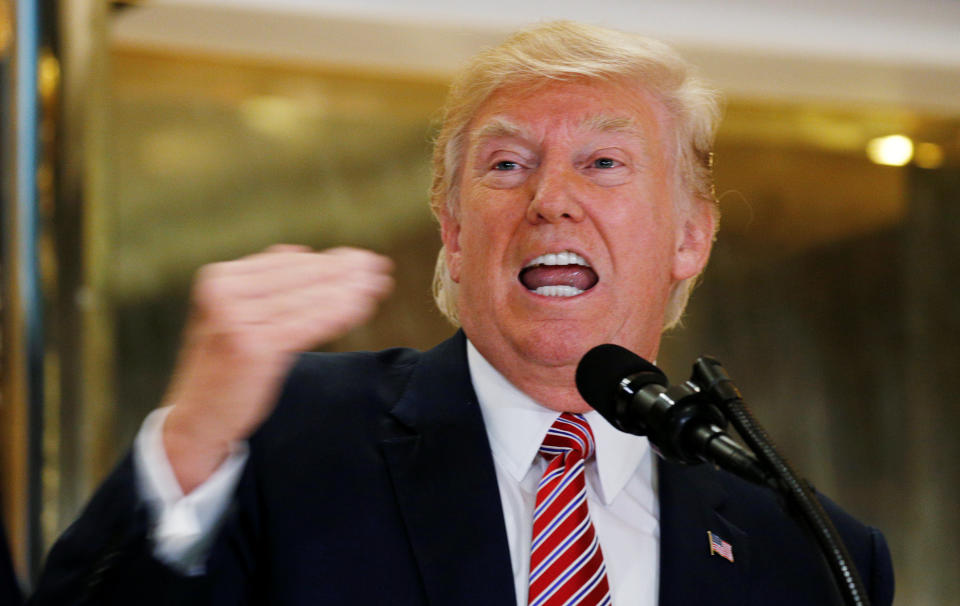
{"x": 563, "y": 50}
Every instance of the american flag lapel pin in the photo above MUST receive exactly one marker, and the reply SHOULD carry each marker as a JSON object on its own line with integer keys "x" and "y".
{"x": 720, "y": 547}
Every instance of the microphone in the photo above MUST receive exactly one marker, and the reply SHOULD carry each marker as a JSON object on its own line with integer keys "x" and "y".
{"x": 683, "y": 426}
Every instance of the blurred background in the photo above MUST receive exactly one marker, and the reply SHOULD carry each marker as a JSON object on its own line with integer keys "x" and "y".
{"x": 144, "y": 139}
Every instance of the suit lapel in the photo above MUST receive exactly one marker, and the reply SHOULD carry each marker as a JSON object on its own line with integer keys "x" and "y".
{"x": 446, "y": 485}
{"x": 691, "y": 505}
{"x": 444, "y": 479}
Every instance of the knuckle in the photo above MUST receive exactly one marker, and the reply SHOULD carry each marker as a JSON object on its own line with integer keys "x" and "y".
{"x": 206, "y": 295}
{"x": 211, "y": 289}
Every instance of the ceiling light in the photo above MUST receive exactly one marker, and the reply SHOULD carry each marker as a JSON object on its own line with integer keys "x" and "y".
{"x": 928, "y": 155}
{"x": 271, "y": 115}
{"x": 894, "y": 150}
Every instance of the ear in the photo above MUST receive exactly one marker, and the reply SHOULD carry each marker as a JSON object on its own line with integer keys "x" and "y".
{"x": 694, "y": 240}
{"x": 450, "y": 234}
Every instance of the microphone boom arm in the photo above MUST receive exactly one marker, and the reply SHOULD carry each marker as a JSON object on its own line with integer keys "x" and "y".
{"x": 685, "y": 423}
{"x": 713, "y": 379}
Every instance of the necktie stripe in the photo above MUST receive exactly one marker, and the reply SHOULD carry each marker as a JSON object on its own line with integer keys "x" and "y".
{"x": 558, "y": 522}
{"x": 567, "y": 429}
{"x": 573, "y": 512}
{"x": 549, "y": 558}
{"x": 566, "y": 562}
{"x": 565, "y": 489}
{"x": 550, "y": 476}
{"x": 572, "y": 435}
{"x": 594, "y": 586}
{"x": 567, "y": 575}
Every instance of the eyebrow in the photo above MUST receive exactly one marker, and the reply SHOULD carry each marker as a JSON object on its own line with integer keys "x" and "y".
{"x": 498, "y": 127}
{"x": 613, "y": 124}
{"x": 501, "y": 127}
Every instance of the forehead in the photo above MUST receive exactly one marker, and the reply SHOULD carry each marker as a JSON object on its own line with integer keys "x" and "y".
{"x": 535, "y": 112}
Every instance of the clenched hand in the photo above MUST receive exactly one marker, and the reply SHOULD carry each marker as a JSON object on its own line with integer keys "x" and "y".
{"x": 248, "y": 319}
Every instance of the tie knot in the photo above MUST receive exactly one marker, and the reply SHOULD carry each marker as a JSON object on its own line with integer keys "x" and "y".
{"x": 570, "y": 433}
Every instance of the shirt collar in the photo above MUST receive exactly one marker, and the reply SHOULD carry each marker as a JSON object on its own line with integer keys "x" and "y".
{"x": 516, "y": 426}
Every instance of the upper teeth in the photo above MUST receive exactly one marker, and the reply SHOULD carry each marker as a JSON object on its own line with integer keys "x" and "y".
{"x": 560, "y": 290}
{"x": 562, "y": 258}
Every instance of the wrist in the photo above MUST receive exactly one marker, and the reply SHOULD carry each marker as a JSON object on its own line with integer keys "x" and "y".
{"x": 194, "y": 454}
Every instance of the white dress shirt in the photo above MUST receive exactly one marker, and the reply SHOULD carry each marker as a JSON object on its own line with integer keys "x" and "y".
{"x": 621, "y": 490}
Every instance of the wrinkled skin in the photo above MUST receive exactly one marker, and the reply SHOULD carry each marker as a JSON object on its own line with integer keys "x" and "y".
{"x": 570, "y": 166}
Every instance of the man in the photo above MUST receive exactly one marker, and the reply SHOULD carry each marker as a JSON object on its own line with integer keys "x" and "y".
{"x": 572, "y": 185}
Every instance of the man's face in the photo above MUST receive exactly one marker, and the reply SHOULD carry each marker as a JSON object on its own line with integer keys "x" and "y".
{"x": 568, "y": 234}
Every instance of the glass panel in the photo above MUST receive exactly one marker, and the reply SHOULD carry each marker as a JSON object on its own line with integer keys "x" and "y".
{"x": 214, "y": 160}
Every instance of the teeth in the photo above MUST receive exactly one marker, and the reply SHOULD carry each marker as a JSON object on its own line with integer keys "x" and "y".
{"x": 562, "y": 258}
{"x": 558, "y": 291}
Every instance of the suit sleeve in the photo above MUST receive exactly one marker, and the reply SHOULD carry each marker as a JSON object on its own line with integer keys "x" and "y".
{"x": 183, "y": 527}
{"x": 106, "y": 557}
{"x": 880, "y": 583}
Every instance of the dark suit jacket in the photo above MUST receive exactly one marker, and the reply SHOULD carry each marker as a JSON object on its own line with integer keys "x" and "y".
{"x": 373, "y": 483}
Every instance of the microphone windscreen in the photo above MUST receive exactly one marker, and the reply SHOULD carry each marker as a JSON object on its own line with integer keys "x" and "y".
{"x": 600, "y": 371}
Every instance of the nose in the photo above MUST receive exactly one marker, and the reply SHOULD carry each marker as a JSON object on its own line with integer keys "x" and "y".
{"x": 554, "y": 197}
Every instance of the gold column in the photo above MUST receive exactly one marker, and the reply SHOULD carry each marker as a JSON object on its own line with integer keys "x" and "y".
{"x": 55, "y": 340}
{"x": 81, "y": 243}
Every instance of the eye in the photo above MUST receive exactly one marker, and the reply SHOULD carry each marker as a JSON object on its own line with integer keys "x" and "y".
{"x": 506, "y": 165}
{"x": 609, "y": 170}
{"x": 605, "y": 163}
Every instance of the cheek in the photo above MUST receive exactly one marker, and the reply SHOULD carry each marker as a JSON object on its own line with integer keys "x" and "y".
{"x": 472, "y": 259}
{"x": 488, "y": 224}
{"x": 645, "y": 246}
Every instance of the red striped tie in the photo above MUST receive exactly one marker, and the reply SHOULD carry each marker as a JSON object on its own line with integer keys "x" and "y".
{"x": 566, "y": 563}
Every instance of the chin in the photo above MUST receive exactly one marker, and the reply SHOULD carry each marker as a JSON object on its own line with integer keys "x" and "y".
{"x": 557, "y": 345}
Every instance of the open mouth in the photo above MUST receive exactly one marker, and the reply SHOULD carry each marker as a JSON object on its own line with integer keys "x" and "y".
{"x": 562, "y": 274}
